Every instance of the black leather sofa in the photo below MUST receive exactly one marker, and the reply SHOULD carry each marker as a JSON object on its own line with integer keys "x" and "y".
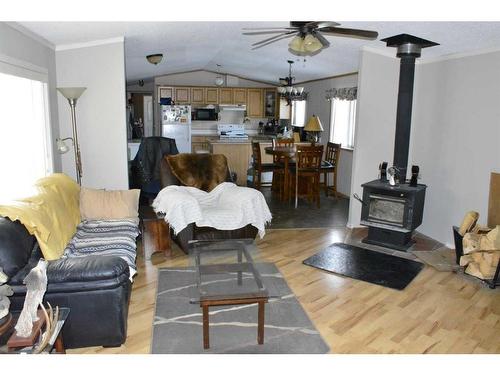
{"x": 95, "y": 288}
{"x": 192, "y": 231}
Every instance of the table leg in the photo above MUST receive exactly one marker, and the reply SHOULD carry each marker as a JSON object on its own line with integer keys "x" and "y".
{"x": 240, "y": 274}
{"x": 260, "y": 327}
{"x": 206, "y": 337}
{"x": 59, "y": 345}
{"x": 285, "y": 178}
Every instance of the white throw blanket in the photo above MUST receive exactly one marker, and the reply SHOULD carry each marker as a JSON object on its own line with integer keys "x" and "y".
{"x": 226, "y": 207}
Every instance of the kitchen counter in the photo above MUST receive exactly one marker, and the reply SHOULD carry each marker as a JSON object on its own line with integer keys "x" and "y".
{"x": 261, "y": 139}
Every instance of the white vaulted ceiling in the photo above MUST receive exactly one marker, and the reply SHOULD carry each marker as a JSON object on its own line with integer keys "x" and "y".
{"x": 201, "y": 45}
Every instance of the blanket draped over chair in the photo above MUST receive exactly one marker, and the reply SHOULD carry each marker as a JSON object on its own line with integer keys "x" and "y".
{"x": 226, "y": 207}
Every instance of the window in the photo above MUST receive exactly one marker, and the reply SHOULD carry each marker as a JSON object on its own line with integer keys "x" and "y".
{"x": 298, "y": 113}
{"x": 25, "y": 147}
{"x": 343, "y": 122}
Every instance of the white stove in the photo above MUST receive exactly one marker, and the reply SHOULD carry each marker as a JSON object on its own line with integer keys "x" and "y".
{"x": 231, "y": 131}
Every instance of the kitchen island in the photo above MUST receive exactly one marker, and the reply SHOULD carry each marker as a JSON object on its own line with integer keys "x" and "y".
{"x": 239, "y": 154}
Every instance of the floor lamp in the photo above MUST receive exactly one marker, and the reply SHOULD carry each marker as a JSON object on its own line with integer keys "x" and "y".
{"x": 72, "y": 94}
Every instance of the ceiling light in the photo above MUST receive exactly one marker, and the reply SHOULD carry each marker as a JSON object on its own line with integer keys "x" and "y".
{"x": 155, "y": 59}
{"x": 311, "y": 43}
{"x": 287, "y": 90}
{"x": 297, "y": 44}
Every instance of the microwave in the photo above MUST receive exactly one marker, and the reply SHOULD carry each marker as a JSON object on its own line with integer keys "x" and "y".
{"x": 204, "y": 114}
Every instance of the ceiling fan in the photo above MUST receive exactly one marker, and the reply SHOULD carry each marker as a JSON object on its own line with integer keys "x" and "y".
{"x": 308, "y": 36}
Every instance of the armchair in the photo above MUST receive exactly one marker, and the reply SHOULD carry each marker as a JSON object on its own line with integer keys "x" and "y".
{"x": 205, "y": 171}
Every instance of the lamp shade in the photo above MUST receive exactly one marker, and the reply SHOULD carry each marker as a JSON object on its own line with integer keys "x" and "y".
{"x": 71, "y": 92}
{"x": 61, "y": 146}
{"x": 311, "y": 43}
{"x": 297, "y": 44}
{"x": 313, "y": 125}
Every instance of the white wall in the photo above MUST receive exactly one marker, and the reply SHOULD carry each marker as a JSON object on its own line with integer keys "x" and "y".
{"x": 319, "y": 106}
{"x": 456, "y": 138}
{"x": 101, "y": 113}
{"x": 455, "y": 133}
{"x": 18, "y": 45}
{"x": 376, "y": 122}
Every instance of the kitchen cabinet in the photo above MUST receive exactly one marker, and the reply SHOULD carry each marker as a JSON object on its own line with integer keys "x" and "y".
{"x": 201, "y": 143}
{"x": 226, "y": 96}
{"x": 255, "y": 103}
{"x": 165, "y": 92}
{"x": 211, "y": 95}
{"x": 271, "y": 108}
{"x": 182, "y": 95}
{"x": 240, "y": 96}
{"x": 197, "y": 95}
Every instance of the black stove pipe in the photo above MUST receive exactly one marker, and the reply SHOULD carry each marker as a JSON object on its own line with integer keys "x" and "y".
{"x": 403, "y": 116}
{"x": 409, "y": 48}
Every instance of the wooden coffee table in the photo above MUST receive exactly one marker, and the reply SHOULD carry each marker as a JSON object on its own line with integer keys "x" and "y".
{"x": 242, "y": 284}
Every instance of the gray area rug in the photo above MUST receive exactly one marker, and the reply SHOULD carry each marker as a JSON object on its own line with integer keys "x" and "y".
{"x": 177, "y": 325}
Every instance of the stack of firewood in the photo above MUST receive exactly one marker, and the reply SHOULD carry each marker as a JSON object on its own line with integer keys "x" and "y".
{"x": 481, "y": 248}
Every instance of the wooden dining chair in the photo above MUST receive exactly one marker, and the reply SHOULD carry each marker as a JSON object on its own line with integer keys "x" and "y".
{"x": 306, "y": 173}
{"x": 279, "y": 173}
{"x": 330, "y": 166}
{"x": 259, "y": 167}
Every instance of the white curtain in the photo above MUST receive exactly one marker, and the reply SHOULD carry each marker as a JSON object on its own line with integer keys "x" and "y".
{"x": 25, "y": 146}
{"x": 343, "y": 122}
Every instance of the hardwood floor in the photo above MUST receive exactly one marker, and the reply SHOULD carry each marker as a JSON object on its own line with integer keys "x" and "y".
{"x": 439, "y": 312}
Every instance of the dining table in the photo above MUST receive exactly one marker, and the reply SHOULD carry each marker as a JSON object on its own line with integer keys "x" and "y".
{"x": 286, "y": 153}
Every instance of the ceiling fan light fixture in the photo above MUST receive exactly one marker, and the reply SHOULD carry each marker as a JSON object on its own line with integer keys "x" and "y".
{"x": 311, "y": 43}
{"x": 155, "y": 59}
{"x": 297, "y": 44}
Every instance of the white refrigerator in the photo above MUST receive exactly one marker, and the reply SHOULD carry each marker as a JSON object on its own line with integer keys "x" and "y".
{"x": 176, "y": 124}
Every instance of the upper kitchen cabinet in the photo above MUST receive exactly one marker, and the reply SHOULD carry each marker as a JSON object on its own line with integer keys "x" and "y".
{"x": 182, "y": 95}
{"x": 165, "y": 92}
{"x": 197, "y": 95}
{"x": 271, "y": 106}
{"x": 240, "y": 96}
{"x": 211, "y": 95}
{"x": 226, "y": 96}
{"x": 255, "y": 103}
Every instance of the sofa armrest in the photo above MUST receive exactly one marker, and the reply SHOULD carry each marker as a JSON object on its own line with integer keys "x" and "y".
{"x": 88, "y": 268}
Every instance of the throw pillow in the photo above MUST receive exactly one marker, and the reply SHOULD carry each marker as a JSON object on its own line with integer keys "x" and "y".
{"x": 109, "y": 204}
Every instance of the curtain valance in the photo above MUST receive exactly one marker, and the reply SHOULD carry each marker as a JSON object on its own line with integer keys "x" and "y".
{"x": 344, "y": 93}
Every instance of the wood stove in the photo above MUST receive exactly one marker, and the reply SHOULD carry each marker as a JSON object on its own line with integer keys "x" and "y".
{"x": 392, "y": 212}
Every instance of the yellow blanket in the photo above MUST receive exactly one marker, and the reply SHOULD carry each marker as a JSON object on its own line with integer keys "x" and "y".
{"x": 52, "y": 215}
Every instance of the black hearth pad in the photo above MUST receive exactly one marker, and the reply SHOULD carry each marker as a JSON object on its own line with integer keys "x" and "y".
{"x": 366, "y": 265}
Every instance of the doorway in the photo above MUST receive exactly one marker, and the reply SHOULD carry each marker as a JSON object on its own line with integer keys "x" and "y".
{"x": 140, "y": 116}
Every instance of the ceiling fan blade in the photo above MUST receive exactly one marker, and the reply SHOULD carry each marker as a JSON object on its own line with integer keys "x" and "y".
{"x": 277, "y": 37}
{"x": 320, "y": 24}
{"x": 267, "y": 28}
{"x": 264, "y": 32}
{"x": 322, "y": 40}
{"x": 272, "y": 41}
{"x": 350, "y": 32}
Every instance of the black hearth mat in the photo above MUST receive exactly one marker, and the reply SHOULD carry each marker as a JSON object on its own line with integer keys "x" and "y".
{"x": 366, "y": 265}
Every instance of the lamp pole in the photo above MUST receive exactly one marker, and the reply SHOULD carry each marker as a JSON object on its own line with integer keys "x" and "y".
{"x": 72, "y": 94}
{"x": 76, "y": 147}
